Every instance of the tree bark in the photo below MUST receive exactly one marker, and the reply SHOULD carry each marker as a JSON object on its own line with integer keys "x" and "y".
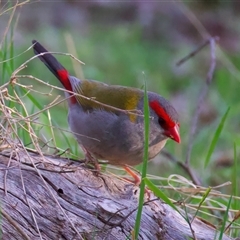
{"x": 62, "y": 199}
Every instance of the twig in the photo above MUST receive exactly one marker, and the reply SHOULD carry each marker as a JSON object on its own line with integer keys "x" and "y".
{"x": 192, "y": 54}
{"x": 212, "y": 41}
{"x": 184, "y": 166}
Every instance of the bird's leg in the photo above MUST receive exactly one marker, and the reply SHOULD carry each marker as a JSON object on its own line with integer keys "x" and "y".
{"x": 137, "y": 179}
{"x": 90, "y": 159}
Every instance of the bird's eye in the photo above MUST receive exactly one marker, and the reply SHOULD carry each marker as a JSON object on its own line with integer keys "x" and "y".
{"x": 162, "y": 122}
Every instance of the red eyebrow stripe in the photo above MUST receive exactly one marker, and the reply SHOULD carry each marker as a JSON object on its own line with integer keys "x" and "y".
{"x": 161, "y": 113}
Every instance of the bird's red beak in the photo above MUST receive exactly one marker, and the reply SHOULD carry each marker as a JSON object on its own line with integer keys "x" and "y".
{"x": 173, "y": 133}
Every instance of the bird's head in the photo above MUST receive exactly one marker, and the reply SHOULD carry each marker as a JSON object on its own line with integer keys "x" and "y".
{"x": 167, "y": 118}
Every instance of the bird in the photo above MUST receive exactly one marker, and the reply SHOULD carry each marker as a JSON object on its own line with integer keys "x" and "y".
{"x": 107, "y": 120}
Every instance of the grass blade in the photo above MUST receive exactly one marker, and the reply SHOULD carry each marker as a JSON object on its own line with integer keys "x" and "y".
{"x": 216, "y": 137}
{"x": 205, "y": 195}
{"x": 158, "y": 193}
{"x": 235, "y": 177}
{"x": 225, "y": 217}
{"x": 145, "y": 162}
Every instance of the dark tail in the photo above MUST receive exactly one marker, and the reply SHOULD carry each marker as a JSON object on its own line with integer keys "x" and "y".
{"x": 52, "y": 64}
{"x": 48, "y": 59}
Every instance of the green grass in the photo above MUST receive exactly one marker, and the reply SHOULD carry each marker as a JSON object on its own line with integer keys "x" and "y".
{"x": 145, "y": 163}
{"x": 215, "y": 138}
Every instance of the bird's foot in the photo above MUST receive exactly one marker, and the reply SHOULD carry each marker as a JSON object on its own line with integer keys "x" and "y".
{"x": 137, "y": 179}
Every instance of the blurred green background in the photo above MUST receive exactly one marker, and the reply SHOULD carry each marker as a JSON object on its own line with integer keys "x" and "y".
{"x": 127, "y": 43}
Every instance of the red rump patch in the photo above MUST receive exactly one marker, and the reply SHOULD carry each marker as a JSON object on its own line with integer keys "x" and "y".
{"x": 162, "y": 113}
{"x": 63, "y": 75}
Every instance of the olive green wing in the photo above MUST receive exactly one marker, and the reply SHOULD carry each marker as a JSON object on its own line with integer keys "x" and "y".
{"x": 98, "y": 95}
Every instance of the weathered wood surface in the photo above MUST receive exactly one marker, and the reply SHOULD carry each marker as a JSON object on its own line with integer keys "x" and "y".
{"x": 68, "y": 201}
